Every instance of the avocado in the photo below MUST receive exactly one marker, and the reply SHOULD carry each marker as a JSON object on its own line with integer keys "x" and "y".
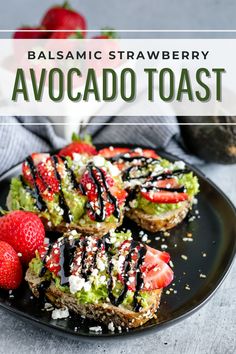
{"x": 212, "y": 143}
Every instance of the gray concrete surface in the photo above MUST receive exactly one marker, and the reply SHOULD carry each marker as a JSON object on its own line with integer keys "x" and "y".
{"x": 133, "y": 14}
{"x": 212, "y": 329}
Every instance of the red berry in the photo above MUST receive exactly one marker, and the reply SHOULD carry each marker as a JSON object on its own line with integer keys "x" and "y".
{"x": 24, "y": 231}
{"x": 78, "y": 148}
{"x": 92, "y": 192}
{"x": 64, "y": 17}
{"x": 53, "y": 260}
{"x": 10, "y": 267}
{"x": 29, "y": 33}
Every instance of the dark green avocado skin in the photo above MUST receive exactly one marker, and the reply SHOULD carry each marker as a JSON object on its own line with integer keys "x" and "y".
{"x": 212, "y": 143}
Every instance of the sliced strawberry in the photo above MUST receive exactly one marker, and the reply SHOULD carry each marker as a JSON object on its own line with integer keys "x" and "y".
{"x": 156, "y": 272}
{"x": 78, "y": 148}
{"x": 165, "y": 196}
{"x": 150, "y": 153}
{"x": 52, "y": 262}
{"x": 37, "y": 158}
{"x": 113, "y": 151}
{"x": 47, "y": 174}
{"x": 152, "y": 255}
{"x": 46, "y": 179}
{"x": 120, "y": 194}
{"x": 158, "y": 277}
{"x": 91, "y": 192}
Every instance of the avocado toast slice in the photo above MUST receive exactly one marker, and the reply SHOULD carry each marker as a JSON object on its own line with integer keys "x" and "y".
{"x": 160, "y": 193}
{"x": 111, "y": 279}
{"x": 85, "y": 193}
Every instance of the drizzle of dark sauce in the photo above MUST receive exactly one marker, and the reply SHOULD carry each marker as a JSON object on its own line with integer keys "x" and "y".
{"x": 127, "y": 267}
{"x": 70, "y": 173}
{"x": 67, "y": 254}
{"x": 62, "y": 202}
{"x": 42, "y": 287}
{"x": 43, "y": 269}
{"x": 40, "y": 203}
{"x": 100, "y": 214}
{"x": 125, "y": 158}
{"x": 139, "y": 277}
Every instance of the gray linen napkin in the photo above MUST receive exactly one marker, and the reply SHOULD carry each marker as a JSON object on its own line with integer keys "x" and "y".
{"x": 18, "y": 140}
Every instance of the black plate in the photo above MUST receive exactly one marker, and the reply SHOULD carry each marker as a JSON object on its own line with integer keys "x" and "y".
{"x": 210, "y": 254}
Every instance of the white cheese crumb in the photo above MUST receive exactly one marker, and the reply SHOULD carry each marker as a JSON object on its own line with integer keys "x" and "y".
{"x": 60, "y": 313}
{"x": 48, "y": 306}
{"x": 76, "y": 283}
{"x": 187, "y": 239}
{"x": 184, "y": 257}
{"x": 164, "y": 247}
{"x": 111, "y": 327}
{"x": 187, "y": 287}
{"x": 179, "y": 165}
{"x": 99, "y": 161}
{"x": 202, "y": 275}
{"x": 95, "y": 329}
{"x": 144, "y": 238}
{"x": 19, "y": 254}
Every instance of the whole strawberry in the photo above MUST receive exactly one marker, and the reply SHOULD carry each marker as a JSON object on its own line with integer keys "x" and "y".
{"x": 63, "y": 17}
{"x": 79, "y": 146}
{"x": 24, "y": 231}
{"x": 10, "y": 267}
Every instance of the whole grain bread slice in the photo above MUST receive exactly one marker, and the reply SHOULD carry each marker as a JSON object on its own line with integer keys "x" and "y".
{"x": 96, "y": 229}
{"x": 102, "y": 312}
{"x": 162, "y": 222}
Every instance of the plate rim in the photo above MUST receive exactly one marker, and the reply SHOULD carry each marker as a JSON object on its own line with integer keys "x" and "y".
{"x": 139, "y": 331}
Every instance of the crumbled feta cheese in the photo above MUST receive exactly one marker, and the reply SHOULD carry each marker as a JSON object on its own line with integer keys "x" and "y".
{"x": 179, "y": 165}
{"x": 184, "y": 257}
{"x": 48, "y": 307}
{"x": 202, "y": 275}
{"x": 95, "y": 329}
{"x": 87, "y": 286}
{"x": 114, "y": 171}
{"x": 60, "y": 313}
{"x": 100, "y": 264}
{"x": 76, "y": 283}
{"x": 19, "y": 254}
{"x": 144, "y": 238}
{"x": 99, "y": 161}
{"x": 111, "y": 327}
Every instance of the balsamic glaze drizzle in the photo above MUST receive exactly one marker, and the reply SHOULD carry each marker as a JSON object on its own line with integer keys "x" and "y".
{"x": 44, "y": 260}
{"x": 101, "y": 185}
{"x": 139, "y": 277}
{"x": 40, "y": 203}
{"x": 62, "y": 202}
{"x": 67, "y": 254}
{"x": 100, "y": 213}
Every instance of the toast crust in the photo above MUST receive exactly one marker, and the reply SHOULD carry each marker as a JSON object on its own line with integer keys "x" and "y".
{"x": 163, "y": 222}
{"x": 104, "y": 312}
{"x": 91, "y": 230}
{"x": 87, "y": 229}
